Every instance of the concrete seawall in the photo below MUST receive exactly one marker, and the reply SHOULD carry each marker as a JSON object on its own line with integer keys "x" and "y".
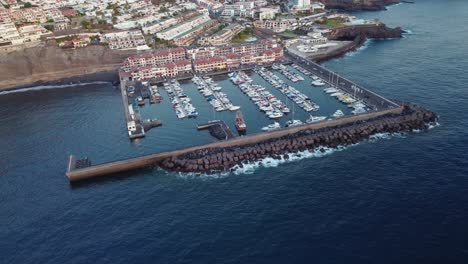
{"x": 391, "y": 120}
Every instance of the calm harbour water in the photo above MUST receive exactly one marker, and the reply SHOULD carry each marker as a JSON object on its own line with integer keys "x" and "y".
{"x": 400, "y": 199}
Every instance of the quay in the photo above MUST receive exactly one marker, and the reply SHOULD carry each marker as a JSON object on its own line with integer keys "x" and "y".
{"x": 134, "y": 124}
{"x": 371, "y": 99}
{"x": 218, "y": 129}
{"x": 155, "y": 159}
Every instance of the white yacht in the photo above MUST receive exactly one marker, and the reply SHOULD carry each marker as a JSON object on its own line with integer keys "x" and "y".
{"x": 314, "y": 119}
{"x": 234, "y": 108}
{"x": 293, "y": 123}
{"x": 275, "y": 114}
{"x": 338, "y": 113}
{"x": 272, "y": 127}
{"x": 318, "y": 83}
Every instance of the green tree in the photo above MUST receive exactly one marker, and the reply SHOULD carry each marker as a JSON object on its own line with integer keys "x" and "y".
{"x": 85, "y": 24}
{"x": 27, "y": 5}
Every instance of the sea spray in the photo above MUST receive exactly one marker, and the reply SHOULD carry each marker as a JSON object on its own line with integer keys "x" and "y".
{"x": 247, "y": 168}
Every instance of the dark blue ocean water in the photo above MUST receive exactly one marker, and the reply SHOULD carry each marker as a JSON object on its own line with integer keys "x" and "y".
{"x": 401, "y": 199}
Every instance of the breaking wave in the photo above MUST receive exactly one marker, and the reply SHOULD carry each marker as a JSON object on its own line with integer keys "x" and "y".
{"x": 48, "y": 87}
{"x": 269, "y": 162}
{"x": 359, "y": 49}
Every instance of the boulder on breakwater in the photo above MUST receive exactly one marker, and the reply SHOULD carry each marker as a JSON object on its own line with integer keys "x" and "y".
{"x": 210, "y": 160}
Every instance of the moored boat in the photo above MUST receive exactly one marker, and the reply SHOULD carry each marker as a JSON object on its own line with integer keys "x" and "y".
{"x": 293, "y": 123}
{"x": 240, "y": 122}
{"x": 338, "y": 113}
{"x": 314, "y": 119}
{"x": 271, "y": 127}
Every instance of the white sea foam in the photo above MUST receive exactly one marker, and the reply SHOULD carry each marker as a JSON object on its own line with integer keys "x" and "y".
{"x": 392, "y": 6}
{"x": 433, "y": 125}
{"x": 269, "y": 162}
{"x": 47, "y": 87}
{"x": 407, "y": 32}
{"x": 251, "y": 167}
{"x": 360, "y": 49}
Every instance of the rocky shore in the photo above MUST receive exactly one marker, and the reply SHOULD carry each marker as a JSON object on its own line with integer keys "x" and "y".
{"x": 358, "y": 35}
{"x": 353, "y": 5}
{"x": 52, "y": 65}
{"x": 211, "y": 160}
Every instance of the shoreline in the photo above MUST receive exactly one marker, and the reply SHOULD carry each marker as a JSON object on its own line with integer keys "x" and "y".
{"x": 110, "y": 72}
{"x": 75, "y": 75}
{"x": 358, "y": 35}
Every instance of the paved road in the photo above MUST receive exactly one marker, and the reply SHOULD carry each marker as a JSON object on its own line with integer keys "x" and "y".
{"x": 370, "y": 98}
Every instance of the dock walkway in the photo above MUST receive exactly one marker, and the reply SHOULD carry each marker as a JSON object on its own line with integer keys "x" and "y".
{"x": 218, "y": 129}
{"x": 370, "y": 98}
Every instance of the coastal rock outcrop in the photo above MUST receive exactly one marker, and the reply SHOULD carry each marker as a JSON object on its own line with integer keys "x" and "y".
{"x": 211, "y": 160}
{"x": 373, "y": 31}
{"x": 358, "y": 35}
{"x": 353, "y": 5}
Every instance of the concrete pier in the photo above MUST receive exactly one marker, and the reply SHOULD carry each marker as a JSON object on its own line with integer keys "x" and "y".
{"x": 218, "y": 129}
{"x": 155, "y": 159}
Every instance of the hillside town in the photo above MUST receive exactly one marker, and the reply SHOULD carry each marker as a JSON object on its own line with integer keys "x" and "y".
{"x": 145, "y": 24}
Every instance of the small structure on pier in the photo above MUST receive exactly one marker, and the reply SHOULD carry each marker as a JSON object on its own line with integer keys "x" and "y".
{"x": 218, "y": 129}
{"x": 74, "y": 163}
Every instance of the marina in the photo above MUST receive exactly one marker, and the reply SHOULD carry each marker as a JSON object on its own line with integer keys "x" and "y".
{"x": 371, "y": 113}
{"x": 278, "y": 101}
{"x": 294, "y": 77}
{"x": 208, "y": 98}
{"x": 265, "y": 101}
{"x": 213, "y": 94}
{"x": 297, "y": 97}
{"x": 180, "y": 101}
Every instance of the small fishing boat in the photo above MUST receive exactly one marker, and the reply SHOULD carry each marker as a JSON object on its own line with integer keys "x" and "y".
{"x": 140, "y": 101}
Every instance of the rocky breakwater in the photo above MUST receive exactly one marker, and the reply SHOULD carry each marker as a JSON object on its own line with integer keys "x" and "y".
{"x": 212, "y": 160}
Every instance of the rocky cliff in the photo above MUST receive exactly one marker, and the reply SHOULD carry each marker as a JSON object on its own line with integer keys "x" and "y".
{"x": 352, "y": 5}
{"x": 374, "y": 31}
{"x": 49, "y": 62}
{"x": 357, "y": 35}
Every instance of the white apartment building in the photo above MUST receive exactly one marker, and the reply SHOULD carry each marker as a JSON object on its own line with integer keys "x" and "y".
{"x": 278, "y": 25}
{"x": 132, "y": 39}
{"x": 240, "y": 9}
{"x": 32, "y": 33}
{"x": 211, "y": 5}
{"x": 158, "y": 26}
{"x": 268, "y": 12}
{"x": 181, "y": 29}
{"x": 9, "y": 35}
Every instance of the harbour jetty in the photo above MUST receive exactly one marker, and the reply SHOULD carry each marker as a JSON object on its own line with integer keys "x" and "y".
{"x": 218, "y": 129}
{"x": 223, "y": 155}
